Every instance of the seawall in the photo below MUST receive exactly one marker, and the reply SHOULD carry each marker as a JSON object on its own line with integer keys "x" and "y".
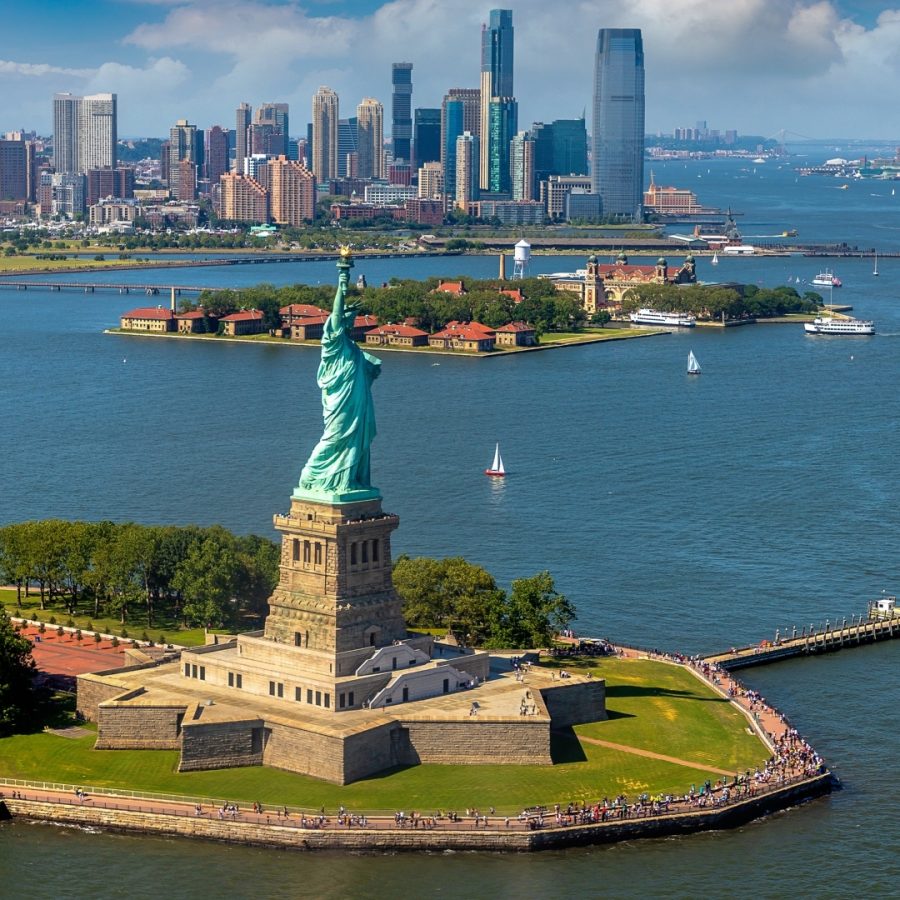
{"x": 384, "y": 835}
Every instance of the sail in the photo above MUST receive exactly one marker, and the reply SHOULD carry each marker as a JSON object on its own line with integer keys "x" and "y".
{"x": 498, "y": 463}
{"x": 693, "y": 366}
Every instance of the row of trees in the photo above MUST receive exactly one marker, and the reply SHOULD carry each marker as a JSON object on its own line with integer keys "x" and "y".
{"x": 544, "y": 307}
{"x": 200, "y": 576}
{"x": 17, "y": 672}
{"x": 464, "y": 599}
{"x": 712, "y": 301}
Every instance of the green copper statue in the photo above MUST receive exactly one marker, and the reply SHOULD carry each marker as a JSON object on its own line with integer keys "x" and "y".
{"x": 338, "y": 468}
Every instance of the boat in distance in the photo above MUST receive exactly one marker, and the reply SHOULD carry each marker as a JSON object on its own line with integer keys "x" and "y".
{"x": 833, "y": 325}
{"x": 496, "y": 470}
{"x": 656, "y": 317}
{"x": 826, "y": 279}
{"x": 693, "y": 367}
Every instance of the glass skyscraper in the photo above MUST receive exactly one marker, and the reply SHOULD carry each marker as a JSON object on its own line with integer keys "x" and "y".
{"x": 401, "y": 126}
{"x": 617, "y": 168}
{"x": 504, "y": 123}
{"x": 496, "y": 81}
{"x": 454, "y": 126}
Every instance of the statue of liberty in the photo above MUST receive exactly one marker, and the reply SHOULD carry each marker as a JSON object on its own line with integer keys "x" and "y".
{"x": 338, "y": 468}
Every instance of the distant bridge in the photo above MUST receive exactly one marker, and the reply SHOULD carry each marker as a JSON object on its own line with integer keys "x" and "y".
{"x": 89, "y": 287}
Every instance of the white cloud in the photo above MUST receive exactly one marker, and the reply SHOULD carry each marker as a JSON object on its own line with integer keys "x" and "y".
{"x": 39, "y": 70}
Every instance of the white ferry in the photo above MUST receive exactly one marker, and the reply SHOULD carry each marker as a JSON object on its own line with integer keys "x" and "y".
{"x": 654, "y": 317}
{"x": 832, "y": 325}
{"x": 827, "y": 279}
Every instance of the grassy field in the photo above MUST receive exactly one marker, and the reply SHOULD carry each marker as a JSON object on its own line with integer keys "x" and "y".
{"x": 30, "y": 608}
{"x": 10, "y": 265}
{"x": 653, "y": 706}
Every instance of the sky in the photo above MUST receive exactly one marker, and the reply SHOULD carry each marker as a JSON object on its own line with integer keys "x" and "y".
{"x": 815, "y": 68}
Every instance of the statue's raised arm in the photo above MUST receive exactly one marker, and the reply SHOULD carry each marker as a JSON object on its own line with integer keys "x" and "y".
{"x": 338, "y": 468}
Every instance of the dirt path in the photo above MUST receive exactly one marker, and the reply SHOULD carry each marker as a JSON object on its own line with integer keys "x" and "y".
{"x": 636, "y": 751}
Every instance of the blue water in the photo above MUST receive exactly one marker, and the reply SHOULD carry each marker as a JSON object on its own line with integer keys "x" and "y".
{"x": 689, "y": 513}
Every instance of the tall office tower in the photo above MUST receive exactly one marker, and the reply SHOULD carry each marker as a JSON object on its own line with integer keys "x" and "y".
{"x": 427, "y": 136}
{"x": 13, "y": 170}
{"x": 466, "y": 170}
{"x": 276, "y": 116}
{"x": 292, "y": 192}
{"x": 521, "y": 166}
{"x": 325, "y": 134}
{"x": 182, "y": 149}
{"x": 243, "y": 115}
{"x": 452, "y": 126}
{"x": 401, "y": 110}
{"x": 503, "y": 125}
{"x": 216, "y": 153}
{"x": 65, "y": 133}
{"x": 347, "y": 143}
{"x": 97, "y": 132}
{"x": 370, "y": 139}
{"x": 618, "y": 135}
{"x": 496, "y": 80}
{"x": 560, "y": 148}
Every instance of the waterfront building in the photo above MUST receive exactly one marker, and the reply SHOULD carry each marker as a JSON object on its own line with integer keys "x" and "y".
{"x": 183, "y": 160}
{"x": 13, "y": 170}
{"x": 504, "y": 122}
{"x": 348, "y": 130}
{"x": 243, "y": 117}
{"x": 618, "y": 129}
{"x": 425, "y": 211}
{"x": 101, "y": 183}
{"x": 325, "y": 134}
{"x": 510, "y": 212}
{"x": 427, "y": 136}
{"x": 148, "y": 318}
{"x": 431, "y": 180}
{"x": 242, "y": 199}
{"x": 469, "y": 337}
{"x": 496, "y": 81}
{"x": 247, "y": 321}
{"x": 556, "y": 189}
{"x": 582, "y": 206}
{"x": 397, "y": 336}
{"x": 216, "y": 157}
{"x": 65, "y": 133}
{"x": 112, "y": 214}
{"x": 521, "y": 167}
{"x": 370, "y": 139}
{"x": 466, "y": 181}
{"x": 672, "y": 201}
{"x": 292, "y": 192}
{"x": 515, "y": 334}
{"x": 401, "y": 119}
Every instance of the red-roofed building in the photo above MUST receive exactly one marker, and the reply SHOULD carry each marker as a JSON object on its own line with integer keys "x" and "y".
{"x": 309, "y": 328}
{"x": 397, "y": 336}
{"x": 248, "y": 321}
{"x": 450, "y": 287}
{"x": 472, "y": 337}
{"x": 196, "y": 321}
{"x": 515, "y": 293}
{"x": 516, "y": 334}
{"x": 148, "y": 318}
{"x": 361, "y": 326}
{"x": 297, "y": 311}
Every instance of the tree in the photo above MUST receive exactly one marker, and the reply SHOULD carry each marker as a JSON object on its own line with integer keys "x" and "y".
{"x": 17, "y": 671}
{"x": 205, "y": 578}
{"x": 536, "y": 612}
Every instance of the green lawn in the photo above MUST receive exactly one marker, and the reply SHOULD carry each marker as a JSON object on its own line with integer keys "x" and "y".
{"x": 652, "y": 706}
{"x": 30, "y": 608}
{"x": 12, "y": 264}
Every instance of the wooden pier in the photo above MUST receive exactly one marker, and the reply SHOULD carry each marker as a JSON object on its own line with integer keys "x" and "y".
{"x": 876, "y": 625}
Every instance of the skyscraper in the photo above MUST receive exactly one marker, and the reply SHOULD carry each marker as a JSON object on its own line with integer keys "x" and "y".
{"x": 370, "y": 139}
{"x": 460, "y": 111}
{"x": 65, "y": 133}
{"x": 13, "y": 170}
{"x": 242, "y": 118}
{"x": 182, "y": 160}
{"x": 292, "y": 192}
{"x": 504, "y": 122}
{"x": 347, "y": 144}
{"x": 496, "y": 80}
{"x": 401, "y": 110}
{"x": 325, "y": 134}
{"x": 274, "y": 120}
{"x": 521, "y": 167}
{"x": 618, "y": 135}
{"x": 427, "y": 136}
{"x": 466, "y": 189}
{"x": 216, "y": 153}
{"x": 97, "y": 132}
{"x": 560, "y": 148}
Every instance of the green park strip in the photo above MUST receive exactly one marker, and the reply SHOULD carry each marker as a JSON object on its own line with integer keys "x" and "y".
{"x": 652, "y": 706}
{"x": 17, "y": 265}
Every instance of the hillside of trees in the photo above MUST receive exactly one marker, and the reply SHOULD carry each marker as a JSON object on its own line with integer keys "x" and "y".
{"x": 710, "y": 301}
{"x": 544, "y": 307}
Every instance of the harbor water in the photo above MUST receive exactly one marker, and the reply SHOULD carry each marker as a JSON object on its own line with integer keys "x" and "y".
{"x": 677, "y": 512}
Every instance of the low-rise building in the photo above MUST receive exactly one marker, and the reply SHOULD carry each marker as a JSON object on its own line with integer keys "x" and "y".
{"x": 361, "y": 326}
{"x": 470, "y": 337}
{"x": 515, "y": 334}
{"x": 308, "y": 328}
{"x": 196, "y": 321}
{"x": 247, "y": 321}
{"x": 148, "y": 318}
{"x": 397, "y": 336}
{"x": 450, "y": 287}
{"x": 294, "y": 312}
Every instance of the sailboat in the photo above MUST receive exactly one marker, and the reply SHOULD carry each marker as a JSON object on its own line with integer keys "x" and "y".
{"x": 875, "y": 270}
{"x": 715, "y": 260}
{"x": 496, "y": 470}
{"x": 693, "y": 367}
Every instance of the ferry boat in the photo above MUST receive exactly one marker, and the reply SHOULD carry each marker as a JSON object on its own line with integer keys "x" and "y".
{"x": 655, "y": 317}
{"x": 826, "y": 279}
{"x": 834, "y": 325}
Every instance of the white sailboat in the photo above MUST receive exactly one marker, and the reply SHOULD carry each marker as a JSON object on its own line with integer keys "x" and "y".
{"x": 715, "y": 260}
{"x": 496, "y": 470}
{"x": 875, "y": 270}
{"x": 693, "y": 367}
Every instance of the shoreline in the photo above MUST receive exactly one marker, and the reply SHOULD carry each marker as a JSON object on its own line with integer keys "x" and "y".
{"x": 384, "y": 835}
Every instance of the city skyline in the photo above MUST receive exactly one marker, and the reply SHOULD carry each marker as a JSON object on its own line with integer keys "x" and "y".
{"x": 198, "y": 60}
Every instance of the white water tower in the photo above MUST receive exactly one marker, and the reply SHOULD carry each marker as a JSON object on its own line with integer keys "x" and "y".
{"x": 521, "y": 258}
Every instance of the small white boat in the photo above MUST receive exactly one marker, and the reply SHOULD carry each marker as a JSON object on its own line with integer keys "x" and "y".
{"x": 715, "y": 260}
{"x": 875, "y": 270}
{"x": 496, "y": 470}
{"x": 693, "y": 367}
